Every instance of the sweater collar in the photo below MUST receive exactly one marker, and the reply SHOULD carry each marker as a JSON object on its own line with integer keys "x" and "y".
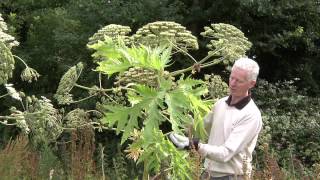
{"x": 241, "y": 104}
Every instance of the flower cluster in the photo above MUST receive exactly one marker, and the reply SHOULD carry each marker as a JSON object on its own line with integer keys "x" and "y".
{"x": 226, "y": 41}
{"x": 29, "y": 74}
{"x": 216, "y": 86}
{"x": 163, "y": 32}
{"x": 137, "y": 75}
{"x": 114, "y": 31}
{"x": 6, "y": 63}
{"x": 20, "y": 120}
{"x": 66, "y": 84}
{"x": 6, "y": 58}
{"x": 7, "y": 39}
{"x": 43, "y": 120}
{"x": 76, "y": 118}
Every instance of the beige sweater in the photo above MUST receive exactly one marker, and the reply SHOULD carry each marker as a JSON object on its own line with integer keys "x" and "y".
{"x": 232, "y": 138}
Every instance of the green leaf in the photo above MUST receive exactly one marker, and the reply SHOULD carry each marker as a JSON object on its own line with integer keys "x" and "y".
{"x": 126, "y": 119}
{"x": 153, "y": 119}
{"x": 133, "y": 98}
{"x": 158, "y": 149}
{"x": 132, "y": 123}
{"x": 151, "y": 100}
{"x": 186, "y": 107}
{"x": 177, "y": 104}
{"x": 159, "y": 57}
{"x": 146, "y": 102}
{"x": 112, "y": 66}
{"x": 106, "y": 49}
{"x": 188, "y": 83}
{"x": 116, "y": 115}
{"x": 118, "y": 58}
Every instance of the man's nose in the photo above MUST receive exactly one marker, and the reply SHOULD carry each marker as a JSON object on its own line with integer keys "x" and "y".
{"x": 232, "y": 82}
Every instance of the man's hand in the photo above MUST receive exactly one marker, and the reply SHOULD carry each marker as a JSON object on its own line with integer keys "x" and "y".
{"x": 182, "y": 142}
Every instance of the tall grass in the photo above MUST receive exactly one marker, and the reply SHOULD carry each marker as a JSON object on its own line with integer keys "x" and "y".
{"x": 20, "y": 161}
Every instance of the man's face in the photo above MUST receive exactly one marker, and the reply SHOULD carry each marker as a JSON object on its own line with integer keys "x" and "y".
{"x": 239, "y": 83}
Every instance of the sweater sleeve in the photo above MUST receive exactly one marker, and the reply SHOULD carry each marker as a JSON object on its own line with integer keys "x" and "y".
{"x": 242, "y": 134}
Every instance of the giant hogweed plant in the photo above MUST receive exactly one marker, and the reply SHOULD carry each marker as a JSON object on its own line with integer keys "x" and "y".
{"x": 34, "y": 116}
{"x": 151, "y": 101}
{"x": 154, "y": 95}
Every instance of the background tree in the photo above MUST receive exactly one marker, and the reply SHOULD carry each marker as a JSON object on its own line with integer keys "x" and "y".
{"x": 284, "y": 33}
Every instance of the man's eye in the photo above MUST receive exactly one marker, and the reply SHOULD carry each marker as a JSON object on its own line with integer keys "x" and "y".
{"x": 234, "y": 79}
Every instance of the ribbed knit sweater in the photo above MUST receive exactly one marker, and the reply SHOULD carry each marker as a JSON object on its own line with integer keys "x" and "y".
{"x": 233, "y": 133}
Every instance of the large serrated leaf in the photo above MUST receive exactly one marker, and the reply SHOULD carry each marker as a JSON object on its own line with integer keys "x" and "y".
{"x": 110, "y": 67}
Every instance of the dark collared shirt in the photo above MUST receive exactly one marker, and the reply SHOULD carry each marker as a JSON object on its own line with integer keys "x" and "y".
{"x": 241, "y": 104}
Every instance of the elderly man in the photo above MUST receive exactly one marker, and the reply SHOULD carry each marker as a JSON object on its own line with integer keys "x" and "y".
{"x": 233, "y": 126}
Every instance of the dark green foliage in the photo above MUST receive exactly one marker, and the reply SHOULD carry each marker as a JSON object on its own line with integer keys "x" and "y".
{"x": 291, "y": 121}
{"x": 284, "y": 34}
{"x": 52, "y": 39}
{"x": 54, "y": 34}
{"x": 115, "y": 163}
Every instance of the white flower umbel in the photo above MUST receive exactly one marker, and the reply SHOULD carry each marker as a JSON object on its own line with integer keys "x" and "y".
{"x": 20, "y": 120}
{"x": 12, "y": 92}
{"x": 21, "y": 123}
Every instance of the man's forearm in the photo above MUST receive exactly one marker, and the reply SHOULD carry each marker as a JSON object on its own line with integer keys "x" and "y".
{"x": 216, "y": 153}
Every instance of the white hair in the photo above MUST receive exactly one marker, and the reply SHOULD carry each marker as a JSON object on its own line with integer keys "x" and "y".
{"x": 248, "y": 65}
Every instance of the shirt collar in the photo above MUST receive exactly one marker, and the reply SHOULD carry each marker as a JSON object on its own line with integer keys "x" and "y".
{"x": 241, "y": 104}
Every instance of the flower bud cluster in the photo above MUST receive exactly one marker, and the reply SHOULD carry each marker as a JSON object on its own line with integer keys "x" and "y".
{"x": 66, "y": 84}
{"x": 76, "y": 118}
{"x": 43, "y": 120}
{"x": 6, "y": 58}
{"x": 29, "y": 74}
{"x": 137, "y": 75}
{"x": 159, "y": 32}
{"x": 226, "y": 41}
{"x": 114, "y": 31}
{"x": 6, "y": 63}
{"x": 20, "y": 120}
{"x": 7, "y": 39}
{"x": 216, "y": 86}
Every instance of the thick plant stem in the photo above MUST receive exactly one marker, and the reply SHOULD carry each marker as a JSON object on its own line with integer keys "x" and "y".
{"x": 102, "y": 162}
{"x": 4, "y": 95}
{"x": 200, "y": 62}
{"x": 184, "y": 52}
{"x": 191, "y": 67}
{"x": 17, "y": 57}
{"x": 83, "y": 99}
{"x": 217, "y": 61}
{"x": 145, "y": 171}
{"x": 87, "y": 88}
